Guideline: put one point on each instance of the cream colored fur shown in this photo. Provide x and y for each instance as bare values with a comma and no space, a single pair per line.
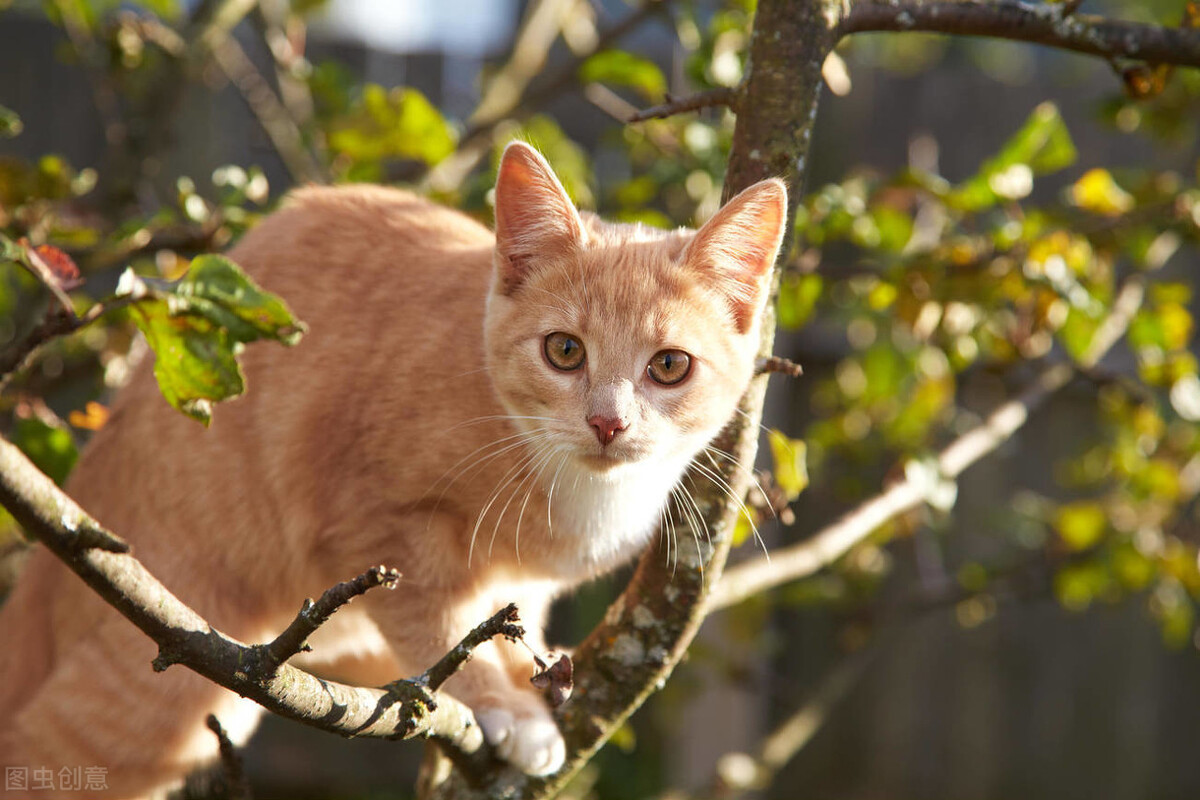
409,428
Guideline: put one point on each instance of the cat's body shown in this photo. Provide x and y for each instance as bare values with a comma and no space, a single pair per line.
406,429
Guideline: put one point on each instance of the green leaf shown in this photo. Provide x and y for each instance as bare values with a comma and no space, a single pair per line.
216,288
51,449
625,69
198,327
400,123
10,123
194,360
1042,145
1081,524
798,296
791,463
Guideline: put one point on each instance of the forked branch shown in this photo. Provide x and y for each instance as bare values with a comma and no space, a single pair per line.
184,637
313,615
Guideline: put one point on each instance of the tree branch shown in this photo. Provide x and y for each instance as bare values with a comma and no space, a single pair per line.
778,364
49,515
503,623
314,615
237,786
268,109
1038,23
721,96
477,139
827,545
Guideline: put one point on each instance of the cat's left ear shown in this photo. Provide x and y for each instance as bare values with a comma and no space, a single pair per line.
737,247
535,217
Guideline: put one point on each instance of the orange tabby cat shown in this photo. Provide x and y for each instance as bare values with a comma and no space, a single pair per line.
499,417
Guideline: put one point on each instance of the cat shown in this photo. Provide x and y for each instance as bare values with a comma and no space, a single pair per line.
500,417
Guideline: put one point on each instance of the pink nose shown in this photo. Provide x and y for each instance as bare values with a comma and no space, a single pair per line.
606,428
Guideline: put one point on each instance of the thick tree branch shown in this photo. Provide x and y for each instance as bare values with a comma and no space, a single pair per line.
48,514
1038,23
827,545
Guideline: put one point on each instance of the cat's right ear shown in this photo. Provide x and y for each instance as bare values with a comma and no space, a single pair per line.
534,216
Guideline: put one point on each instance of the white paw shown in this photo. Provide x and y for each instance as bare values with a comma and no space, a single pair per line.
531,744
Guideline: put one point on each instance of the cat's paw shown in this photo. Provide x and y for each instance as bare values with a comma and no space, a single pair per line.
532,744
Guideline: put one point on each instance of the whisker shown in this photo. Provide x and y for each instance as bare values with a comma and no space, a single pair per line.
504,481
550,494
540,457
712,451
523,439
684,508
550,453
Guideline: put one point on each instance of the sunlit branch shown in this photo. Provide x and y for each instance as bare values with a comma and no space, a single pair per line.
723,96
184,637
1046,24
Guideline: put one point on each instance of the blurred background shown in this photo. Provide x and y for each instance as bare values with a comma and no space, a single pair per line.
971,209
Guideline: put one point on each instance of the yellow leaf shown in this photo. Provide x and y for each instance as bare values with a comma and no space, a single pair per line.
742,528
791,464
92,418
1097,192
1081,524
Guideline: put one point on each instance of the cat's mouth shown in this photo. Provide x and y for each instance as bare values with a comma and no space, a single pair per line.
610,458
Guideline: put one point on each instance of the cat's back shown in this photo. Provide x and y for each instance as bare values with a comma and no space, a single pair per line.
392,288
363,239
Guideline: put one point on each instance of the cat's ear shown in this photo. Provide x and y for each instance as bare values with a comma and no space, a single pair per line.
737,247
534,216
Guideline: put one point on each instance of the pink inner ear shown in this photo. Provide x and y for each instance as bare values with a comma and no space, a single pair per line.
738,246
534,216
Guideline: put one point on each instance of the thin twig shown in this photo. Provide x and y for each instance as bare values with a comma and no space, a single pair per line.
237,786
725,96
42,271
832,542
1038,23
268,109
504,622
56,324
778,364
314,615
476,141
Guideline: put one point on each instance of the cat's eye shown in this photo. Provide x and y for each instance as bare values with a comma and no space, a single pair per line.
564,351
669,367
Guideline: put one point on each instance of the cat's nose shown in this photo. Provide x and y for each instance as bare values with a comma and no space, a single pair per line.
606,428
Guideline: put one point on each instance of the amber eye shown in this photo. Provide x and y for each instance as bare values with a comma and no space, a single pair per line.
564,351
669,367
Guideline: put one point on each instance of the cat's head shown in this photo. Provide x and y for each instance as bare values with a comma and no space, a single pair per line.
624,343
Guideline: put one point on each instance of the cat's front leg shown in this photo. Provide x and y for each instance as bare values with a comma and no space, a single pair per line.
523,732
